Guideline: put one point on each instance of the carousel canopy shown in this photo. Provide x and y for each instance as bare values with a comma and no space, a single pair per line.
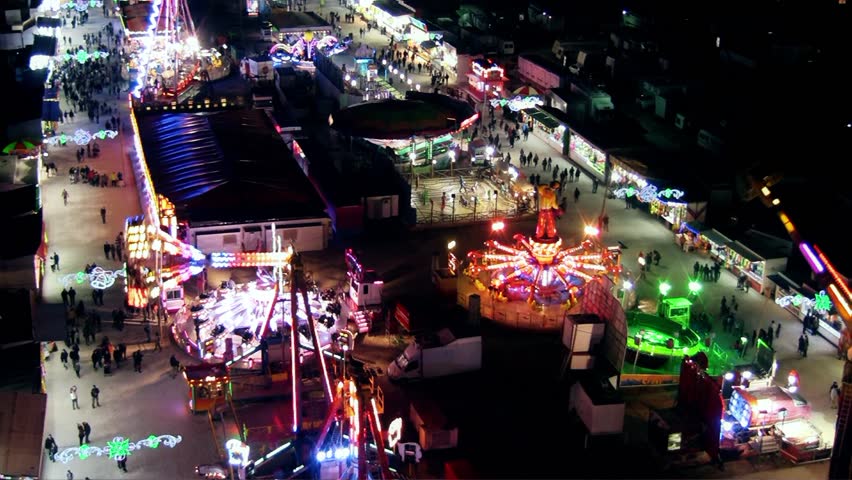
419,115
228,166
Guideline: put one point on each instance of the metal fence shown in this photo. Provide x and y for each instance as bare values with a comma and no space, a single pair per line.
449,219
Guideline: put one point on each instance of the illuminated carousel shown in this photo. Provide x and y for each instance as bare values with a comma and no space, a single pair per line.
230,321
532,283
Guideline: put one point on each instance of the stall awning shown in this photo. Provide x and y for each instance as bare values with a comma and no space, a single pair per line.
542,117
745,252
715,237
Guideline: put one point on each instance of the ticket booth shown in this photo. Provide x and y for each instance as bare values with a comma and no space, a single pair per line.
209,385
677,310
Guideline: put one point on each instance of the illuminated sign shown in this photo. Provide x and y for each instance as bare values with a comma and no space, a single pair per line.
518,103
118,447
394,432
98,278
81,137
821,301
649,193
238,452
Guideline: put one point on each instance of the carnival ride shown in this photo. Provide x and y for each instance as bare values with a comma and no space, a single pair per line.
656,340
298,48
164,54
540,269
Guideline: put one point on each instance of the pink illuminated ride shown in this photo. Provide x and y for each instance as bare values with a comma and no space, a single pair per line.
540,269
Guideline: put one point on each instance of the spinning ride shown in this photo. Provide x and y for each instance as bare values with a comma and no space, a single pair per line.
540,269
298,48
164,55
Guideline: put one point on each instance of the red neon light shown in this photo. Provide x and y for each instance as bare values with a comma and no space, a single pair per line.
839,280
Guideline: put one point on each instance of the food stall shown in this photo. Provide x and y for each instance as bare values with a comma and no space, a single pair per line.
757,255
769,420
209,384
715,243
546,126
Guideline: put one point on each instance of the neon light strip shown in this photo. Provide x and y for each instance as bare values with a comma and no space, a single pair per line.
838,279
376,415
117,447
294,357
143,177
812,259
840,301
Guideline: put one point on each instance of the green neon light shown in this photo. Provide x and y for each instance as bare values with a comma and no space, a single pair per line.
822,302
118,447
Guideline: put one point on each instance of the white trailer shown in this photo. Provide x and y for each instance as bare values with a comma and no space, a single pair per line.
437,355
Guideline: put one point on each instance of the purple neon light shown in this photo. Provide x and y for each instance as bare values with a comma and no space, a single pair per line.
812,259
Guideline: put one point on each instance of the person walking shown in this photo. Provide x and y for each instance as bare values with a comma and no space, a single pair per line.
72,294
64,295
64,358
107,249
95,399
576,195
65,196
50,446
121,461
778,330
69,475
137,361
103,215
81,434
77,368
834,394
87,430
55,265
74,402
175,364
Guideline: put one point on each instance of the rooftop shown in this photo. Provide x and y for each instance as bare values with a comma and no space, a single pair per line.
228,166
392,7
297,21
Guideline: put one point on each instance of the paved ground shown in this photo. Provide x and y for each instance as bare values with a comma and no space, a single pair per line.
134,405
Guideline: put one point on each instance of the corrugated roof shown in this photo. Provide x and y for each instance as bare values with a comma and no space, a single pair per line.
226,167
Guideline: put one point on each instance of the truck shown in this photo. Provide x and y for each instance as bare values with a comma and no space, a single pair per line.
437,355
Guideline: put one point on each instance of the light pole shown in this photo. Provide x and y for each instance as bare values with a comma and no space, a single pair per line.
452,155
453,217
489,151
385,68
432,167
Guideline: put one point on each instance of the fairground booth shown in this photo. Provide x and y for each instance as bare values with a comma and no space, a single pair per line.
757,255
696,237
815,309
486,80
237,182
209,385
389,14
297,24
547,127
587,143
744,413
651,180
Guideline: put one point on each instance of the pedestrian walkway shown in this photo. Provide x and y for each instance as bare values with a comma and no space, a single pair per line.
133,405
